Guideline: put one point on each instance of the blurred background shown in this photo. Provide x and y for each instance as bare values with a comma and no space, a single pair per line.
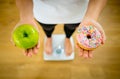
104,65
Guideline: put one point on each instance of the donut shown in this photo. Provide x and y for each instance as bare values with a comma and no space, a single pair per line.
88,37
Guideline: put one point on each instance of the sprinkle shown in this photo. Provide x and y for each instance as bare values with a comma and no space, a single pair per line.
95,36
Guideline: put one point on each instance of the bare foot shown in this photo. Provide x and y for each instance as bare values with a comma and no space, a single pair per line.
48,46
68,47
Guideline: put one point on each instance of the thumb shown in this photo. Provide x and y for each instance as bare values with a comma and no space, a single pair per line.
34,23
11,40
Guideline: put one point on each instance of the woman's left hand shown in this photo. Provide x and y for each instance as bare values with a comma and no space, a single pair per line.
88,53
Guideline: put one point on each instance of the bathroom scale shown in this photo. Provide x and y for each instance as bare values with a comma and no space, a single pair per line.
58,53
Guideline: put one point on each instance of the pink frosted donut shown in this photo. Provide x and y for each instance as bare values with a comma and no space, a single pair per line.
88,37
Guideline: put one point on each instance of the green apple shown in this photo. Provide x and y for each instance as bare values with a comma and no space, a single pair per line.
25,36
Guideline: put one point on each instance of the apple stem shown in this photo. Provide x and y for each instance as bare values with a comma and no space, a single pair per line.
25,34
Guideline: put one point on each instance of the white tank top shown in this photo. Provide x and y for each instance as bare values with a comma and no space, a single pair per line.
59,11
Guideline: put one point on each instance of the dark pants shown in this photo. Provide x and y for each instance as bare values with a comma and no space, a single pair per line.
68,28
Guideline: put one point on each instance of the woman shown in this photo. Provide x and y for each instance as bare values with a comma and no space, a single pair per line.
49,13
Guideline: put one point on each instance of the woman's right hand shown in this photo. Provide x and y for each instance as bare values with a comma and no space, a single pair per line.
34,50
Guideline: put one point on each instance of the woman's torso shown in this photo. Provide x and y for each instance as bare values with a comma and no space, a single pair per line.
59,11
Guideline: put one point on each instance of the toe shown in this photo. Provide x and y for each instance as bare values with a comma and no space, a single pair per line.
48,49
68,52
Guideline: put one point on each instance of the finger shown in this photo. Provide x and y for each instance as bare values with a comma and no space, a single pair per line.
35,50
83,23
12,42
35,24
80,51
85,54
29,52
77,46
38,45
11,39
90,54
99,27
103,38
26,52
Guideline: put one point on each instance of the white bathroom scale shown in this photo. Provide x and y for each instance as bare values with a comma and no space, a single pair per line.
58,53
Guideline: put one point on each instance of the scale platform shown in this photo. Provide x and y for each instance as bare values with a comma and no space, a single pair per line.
58,49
